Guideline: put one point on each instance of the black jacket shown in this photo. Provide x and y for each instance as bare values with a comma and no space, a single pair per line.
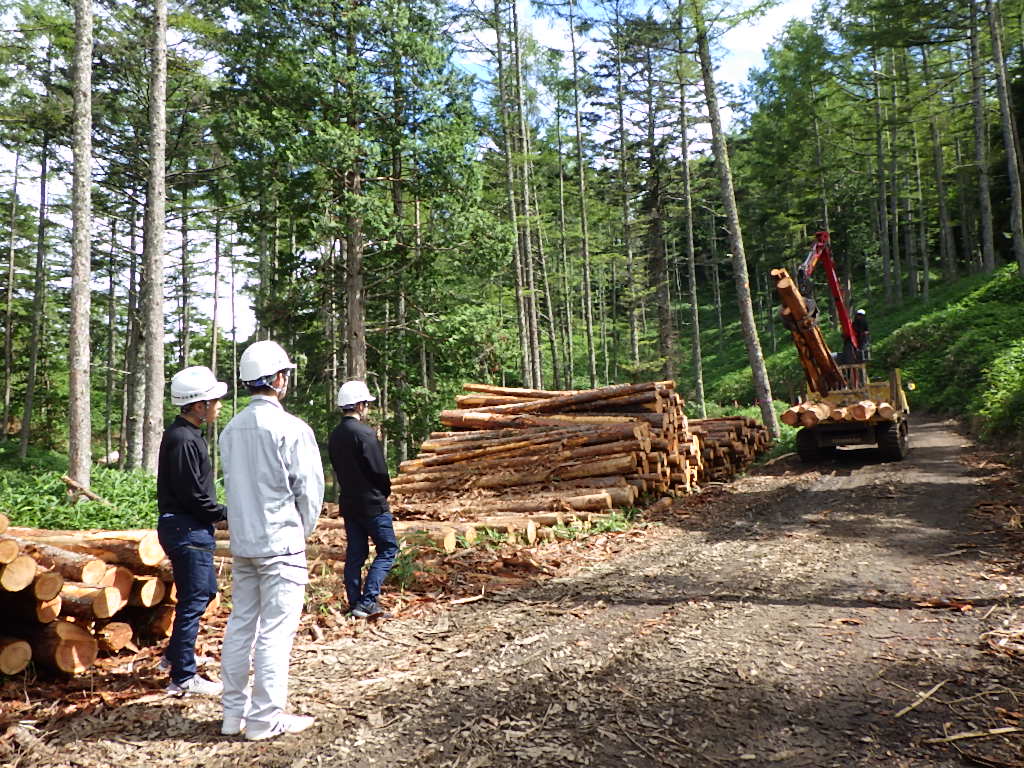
184,477
359,466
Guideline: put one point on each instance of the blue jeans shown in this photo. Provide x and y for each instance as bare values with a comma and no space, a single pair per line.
189,545
359,528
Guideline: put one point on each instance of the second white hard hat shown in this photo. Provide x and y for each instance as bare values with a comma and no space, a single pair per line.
353,393
262,358
190,385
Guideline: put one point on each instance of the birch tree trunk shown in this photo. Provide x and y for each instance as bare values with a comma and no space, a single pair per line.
883,220
79,396
762,387
567,302
111,357
185,281
135,390
355,326
947,249
894,181
1012,167
691,259
526,245
38,295
153,242
525,369
988,250
623,174
9,310
588,303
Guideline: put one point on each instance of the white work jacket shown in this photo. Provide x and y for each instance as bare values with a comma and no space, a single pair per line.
273,479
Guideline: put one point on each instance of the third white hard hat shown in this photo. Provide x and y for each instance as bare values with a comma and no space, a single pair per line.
196,383
262,358
352,393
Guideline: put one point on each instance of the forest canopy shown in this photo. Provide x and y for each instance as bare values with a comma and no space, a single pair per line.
420,193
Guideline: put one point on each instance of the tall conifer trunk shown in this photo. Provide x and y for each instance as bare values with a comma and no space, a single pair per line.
762,387
153,242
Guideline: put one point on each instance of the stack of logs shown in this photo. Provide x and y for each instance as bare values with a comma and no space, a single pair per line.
69,595
811,413
521,458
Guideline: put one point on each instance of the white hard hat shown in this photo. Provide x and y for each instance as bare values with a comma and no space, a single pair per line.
353,393
196,383
861,312
262,358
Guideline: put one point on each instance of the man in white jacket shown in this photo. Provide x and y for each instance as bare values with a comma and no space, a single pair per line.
274,483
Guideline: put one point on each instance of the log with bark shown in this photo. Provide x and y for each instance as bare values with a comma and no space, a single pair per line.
73,566
88,602
133,548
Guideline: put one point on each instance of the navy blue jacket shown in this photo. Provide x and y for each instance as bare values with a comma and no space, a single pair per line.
359,466
184,477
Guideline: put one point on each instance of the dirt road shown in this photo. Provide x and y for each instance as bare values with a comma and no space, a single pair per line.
783,621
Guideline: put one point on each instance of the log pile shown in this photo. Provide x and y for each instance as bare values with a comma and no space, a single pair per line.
812,413
532,457
69,595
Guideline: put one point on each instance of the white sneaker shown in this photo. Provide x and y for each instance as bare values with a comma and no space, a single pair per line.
285,723
196,684
232,726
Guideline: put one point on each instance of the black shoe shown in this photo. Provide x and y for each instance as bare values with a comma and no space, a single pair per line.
369,609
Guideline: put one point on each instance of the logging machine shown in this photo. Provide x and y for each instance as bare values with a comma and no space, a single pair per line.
843,407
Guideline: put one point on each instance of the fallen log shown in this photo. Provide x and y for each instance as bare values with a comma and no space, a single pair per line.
88,602
76,487
134,548
485,420
519,392
63,646
15,654
73,566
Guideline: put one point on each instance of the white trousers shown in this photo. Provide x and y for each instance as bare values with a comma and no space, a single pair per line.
266,602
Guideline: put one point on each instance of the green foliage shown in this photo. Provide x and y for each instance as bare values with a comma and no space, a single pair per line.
403,572
32,494
966,357
488,537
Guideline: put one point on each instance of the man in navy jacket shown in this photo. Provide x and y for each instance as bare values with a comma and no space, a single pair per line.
362,474
187,503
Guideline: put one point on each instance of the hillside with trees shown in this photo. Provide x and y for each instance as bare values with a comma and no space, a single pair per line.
422,193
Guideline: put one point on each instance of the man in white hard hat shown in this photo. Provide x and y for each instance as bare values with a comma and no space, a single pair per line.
364,487
187,503
274,480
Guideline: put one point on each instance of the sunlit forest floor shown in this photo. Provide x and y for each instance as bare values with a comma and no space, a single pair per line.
826,616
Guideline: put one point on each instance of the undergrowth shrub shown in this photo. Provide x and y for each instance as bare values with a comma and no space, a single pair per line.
967,358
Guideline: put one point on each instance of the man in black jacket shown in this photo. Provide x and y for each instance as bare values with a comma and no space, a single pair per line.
362,474
187,503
